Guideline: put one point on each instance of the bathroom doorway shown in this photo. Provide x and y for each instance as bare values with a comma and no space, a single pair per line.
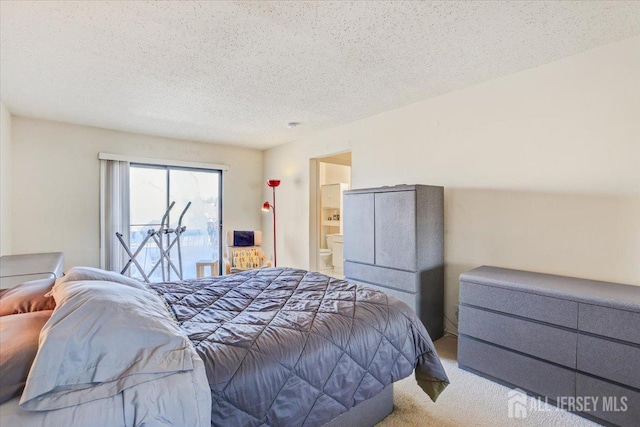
330,177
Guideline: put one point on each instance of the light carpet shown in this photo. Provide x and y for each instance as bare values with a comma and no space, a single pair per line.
469,401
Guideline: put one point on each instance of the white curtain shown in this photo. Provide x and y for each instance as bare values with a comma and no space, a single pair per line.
114,213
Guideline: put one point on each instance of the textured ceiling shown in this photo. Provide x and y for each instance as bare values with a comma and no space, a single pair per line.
238,72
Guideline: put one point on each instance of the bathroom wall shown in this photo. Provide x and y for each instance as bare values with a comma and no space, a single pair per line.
330,173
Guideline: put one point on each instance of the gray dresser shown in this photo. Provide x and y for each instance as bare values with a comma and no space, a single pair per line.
394,242
16,269
555,336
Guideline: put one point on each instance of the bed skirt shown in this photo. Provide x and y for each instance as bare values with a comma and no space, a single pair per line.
367,413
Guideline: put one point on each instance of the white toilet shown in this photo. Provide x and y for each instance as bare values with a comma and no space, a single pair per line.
325,259
337,257
326,262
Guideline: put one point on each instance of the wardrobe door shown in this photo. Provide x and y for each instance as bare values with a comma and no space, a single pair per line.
395,229
358,227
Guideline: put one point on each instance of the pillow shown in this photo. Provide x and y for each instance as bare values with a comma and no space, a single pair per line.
246,259
18,347
27,297
89,273
103,338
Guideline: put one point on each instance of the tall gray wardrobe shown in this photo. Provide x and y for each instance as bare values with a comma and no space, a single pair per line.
394,242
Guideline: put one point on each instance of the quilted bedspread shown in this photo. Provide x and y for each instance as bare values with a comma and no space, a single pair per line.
290,347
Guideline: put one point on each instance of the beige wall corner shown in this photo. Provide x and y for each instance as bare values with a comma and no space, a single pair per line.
5,181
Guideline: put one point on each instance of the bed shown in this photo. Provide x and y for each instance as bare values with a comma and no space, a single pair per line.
268,347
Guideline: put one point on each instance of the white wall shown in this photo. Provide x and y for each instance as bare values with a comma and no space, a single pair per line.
5,181
56,185
541,169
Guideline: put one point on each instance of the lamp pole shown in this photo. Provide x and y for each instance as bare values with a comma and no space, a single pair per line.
273,183
275,259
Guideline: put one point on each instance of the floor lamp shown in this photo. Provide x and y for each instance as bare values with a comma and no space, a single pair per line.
273,183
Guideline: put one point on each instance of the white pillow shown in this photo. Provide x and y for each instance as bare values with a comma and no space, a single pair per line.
89,273
102,338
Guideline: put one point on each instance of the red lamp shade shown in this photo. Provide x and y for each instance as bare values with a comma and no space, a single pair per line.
273,183
266,206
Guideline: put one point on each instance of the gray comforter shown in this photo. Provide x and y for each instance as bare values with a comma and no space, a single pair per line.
290,347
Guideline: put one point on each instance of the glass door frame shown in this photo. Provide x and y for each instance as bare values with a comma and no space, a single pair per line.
168,169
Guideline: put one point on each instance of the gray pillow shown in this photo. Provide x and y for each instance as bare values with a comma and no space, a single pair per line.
19,335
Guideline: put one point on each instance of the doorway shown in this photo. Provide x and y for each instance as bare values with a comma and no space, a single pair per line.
330,177
152,188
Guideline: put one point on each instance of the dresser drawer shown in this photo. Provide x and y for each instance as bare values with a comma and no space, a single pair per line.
521,371
615,404
546,342
387,277
610,322
537,307
614,361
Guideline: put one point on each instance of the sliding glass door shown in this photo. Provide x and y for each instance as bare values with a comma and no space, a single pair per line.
152,190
